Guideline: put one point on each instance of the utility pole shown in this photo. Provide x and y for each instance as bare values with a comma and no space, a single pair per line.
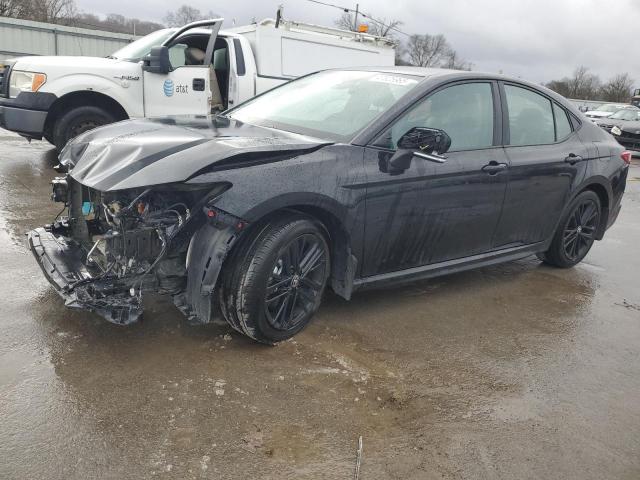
355,22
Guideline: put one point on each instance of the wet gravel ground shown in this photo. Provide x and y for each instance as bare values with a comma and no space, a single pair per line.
514,371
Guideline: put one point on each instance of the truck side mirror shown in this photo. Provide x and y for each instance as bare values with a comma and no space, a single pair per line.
157,61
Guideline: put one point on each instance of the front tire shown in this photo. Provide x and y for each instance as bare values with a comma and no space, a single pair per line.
576,232
78,120
272,284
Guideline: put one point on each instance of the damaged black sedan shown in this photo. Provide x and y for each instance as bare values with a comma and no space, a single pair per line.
343,179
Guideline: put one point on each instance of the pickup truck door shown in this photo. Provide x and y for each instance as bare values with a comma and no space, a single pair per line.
186,88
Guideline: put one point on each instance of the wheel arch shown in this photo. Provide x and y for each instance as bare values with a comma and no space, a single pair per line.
599,186
343,261
83,98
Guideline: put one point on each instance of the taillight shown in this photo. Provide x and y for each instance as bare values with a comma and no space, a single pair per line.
626,156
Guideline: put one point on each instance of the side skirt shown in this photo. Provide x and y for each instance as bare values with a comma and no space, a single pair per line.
450,266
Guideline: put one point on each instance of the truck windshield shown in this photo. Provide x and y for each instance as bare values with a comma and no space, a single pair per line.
135,51
334,104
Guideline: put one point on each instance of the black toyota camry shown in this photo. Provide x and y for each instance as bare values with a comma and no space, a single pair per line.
344,179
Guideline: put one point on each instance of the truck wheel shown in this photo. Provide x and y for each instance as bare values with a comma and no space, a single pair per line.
576,232
79,120
47,136
273,284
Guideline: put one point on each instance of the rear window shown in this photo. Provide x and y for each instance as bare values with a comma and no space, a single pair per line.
563,127
530,117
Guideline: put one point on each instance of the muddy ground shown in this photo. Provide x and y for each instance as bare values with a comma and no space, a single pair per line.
513,372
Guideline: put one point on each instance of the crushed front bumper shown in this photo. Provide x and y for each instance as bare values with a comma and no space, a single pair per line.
62,262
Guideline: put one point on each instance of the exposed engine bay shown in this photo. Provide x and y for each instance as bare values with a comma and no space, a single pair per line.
113,246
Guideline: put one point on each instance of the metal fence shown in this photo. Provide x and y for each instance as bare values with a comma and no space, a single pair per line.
24,37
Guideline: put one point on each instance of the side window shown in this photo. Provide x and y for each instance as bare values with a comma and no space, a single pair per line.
177,55
563,127
189,52
464,111
530,117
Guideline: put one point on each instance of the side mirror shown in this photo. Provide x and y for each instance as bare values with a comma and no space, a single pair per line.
427,143
157,61
426,140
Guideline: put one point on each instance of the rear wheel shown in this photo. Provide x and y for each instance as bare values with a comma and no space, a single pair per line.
576,232
78,120
272,285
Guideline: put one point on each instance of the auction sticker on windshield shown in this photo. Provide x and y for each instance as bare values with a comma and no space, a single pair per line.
393,80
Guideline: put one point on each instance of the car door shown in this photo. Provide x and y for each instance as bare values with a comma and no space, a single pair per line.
437,211
546,158
186,88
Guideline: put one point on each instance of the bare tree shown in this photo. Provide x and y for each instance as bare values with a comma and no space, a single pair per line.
65,12
51,11
559,86
454,62
13,8
183,15
378,27
116,23
618,89
427,50
583,84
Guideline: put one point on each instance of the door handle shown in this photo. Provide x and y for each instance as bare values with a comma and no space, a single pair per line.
572,158
493,167
198,84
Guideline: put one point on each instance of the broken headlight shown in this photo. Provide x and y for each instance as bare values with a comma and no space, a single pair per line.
60,191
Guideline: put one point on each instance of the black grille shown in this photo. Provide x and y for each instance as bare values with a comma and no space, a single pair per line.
4,81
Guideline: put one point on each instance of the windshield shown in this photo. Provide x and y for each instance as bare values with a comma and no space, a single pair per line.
332,104
626,114
137,50
609,107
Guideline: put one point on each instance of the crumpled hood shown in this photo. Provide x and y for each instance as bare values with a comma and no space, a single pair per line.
631,127
146,152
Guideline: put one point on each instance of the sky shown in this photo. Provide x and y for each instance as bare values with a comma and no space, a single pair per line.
538,40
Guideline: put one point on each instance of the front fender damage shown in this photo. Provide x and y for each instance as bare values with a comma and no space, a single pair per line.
158,242
207,251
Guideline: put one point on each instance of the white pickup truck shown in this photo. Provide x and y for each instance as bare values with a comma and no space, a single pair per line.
196,69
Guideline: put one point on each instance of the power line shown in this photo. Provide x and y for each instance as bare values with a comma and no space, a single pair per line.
360,12
344,9
390,27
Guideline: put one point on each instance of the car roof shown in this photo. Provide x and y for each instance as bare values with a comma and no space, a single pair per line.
422,71
428,72
408,70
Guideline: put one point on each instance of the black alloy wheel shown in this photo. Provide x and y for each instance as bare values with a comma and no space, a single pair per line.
273,281
576,232
580,230
296,282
